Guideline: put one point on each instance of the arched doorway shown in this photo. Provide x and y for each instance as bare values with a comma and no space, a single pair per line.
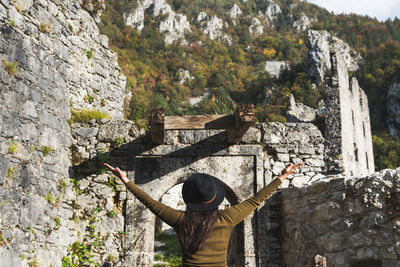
158,169
173,198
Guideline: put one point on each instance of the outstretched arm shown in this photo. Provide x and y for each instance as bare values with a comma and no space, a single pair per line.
162,211
237,213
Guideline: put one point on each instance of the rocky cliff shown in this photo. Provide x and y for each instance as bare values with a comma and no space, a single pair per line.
321,44
175,26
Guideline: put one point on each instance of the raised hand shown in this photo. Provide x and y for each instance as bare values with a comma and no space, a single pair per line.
117,172
289,169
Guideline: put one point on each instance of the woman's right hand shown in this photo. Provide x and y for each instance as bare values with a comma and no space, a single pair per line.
289,169
117,172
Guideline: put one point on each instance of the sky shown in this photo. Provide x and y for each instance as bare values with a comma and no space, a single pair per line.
381,9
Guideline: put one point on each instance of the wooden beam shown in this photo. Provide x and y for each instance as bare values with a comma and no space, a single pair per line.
157,125
236,125
198,122
244,119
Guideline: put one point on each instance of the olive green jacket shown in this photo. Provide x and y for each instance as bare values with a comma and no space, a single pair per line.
215,248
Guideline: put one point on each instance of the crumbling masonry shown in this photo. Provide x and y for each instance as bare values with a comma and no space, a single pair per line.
46,205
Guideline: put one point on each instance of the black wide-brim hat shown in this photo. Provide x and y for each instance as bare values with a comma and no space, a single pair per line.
202,192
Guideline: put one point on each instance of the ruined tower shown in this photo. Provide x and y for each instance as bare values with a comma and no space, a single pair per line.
348,146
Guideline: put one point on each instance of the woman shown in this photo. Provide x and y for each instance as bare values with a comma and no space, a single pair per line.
202,229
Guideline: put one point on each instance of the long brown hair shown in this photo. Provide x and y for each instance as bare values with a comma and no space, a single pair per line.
195,228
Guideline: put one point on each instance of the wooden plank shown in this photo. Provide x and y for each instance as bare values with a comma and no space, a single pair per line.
197,122
157,125
236,125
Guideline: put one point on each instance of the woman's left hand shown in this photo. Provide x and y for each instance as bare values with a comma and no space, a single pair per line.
289,169
118,173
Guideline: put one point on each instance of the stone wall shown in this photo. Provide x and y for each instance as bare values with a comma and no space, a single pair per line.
348,147
122,144
52,59
348,220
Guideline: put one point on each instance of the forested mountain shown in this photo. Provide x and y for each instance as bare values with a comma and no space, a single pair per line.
202,56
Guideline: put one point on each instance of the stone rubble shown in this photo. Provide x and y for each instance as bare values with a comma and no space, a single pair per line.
298,112
347,220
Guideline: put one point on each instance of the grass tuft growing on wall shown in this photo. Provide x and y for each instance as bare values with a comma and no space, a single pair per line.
85,115
11,68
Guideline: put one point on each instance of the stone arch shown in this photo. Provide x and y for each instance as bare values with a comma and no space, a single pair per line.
157,169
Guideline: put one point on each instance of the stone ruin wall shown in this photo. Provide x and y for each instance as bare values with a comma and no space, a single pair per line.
95,196
345,219
279,144
60,59
347,123
351,221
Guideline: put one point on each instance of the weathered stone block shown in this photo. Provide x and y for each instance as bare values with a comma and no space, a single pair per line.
252,136
278,167
300,181
331,242
327,211
359,240
373,220
283,157
192,136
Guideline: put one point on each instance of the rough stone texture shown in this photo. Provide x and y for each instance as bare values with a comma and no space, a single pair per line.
298,112
235,11
184,76
394,109
321,44
43,211
213,27
303,23
187,151
177,163
197,99
275,68
347,220
48,41
174,26
94,7
272,12
256,27
348,146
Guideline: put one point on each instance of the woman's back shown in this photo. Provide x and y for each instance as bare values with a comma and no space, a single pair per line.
214,252
201,194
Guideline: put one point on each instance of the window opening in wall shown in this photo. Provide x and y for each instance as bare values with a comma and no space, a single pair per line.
355,152
352,116
363,125
361,102
367,263
366,159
